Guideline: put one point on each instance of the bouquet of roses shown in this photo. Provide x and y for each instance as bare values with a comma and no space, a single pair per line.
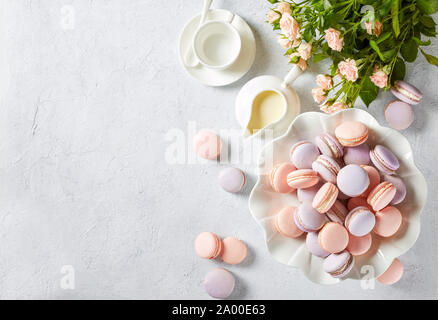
368,42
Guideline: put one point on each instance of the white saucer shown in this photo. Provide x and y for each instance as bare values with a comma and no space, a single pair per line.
211,77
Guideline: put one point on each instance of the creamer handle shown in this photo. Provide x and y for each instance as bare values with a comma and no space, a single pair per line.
293,74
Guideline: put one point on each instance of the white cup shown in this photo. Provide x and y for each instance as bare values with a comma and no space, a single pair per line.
217,44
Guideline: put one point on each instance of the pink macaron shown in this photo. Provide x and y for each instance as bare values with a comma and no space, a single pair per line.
399,114
359,245
360,221
388,221
302,178
278,177
208,245
308,219
329,146
393,274
303,154
234,251
337,213
406,92
285,223
207,144
325,197
327,168
351,133
333,237
381,195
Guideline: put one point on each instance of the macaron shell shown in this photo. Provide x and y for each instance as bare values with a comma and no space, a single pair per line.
337,212
359,155
232,179
208,245
341,263
303,154
360,221
309,193
278,177
325,197
207,144
313,245
353,180
219,283
399,115
302,179
381,196
234,250
388,221
329,146
285,223
374,177
351,133
359,245
333,237
393,274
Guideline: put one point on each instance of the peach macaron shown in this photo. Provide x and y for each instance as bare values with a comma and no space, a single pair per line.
278,177
381,195
325,197
351,133
359,245
393,274
374,176
285,223
388,221
208,245
333,237
207,144
302,179
234,250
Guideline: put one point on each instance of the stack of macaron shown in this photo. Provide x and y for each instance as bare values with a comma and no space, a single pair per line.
347,193
219,283
399,113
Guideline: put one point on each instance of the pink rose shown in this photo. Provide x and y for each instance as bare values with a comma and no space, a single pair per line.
379,78
289,26
348,69
334,40
324,81
377,28
337,106
284,7
302,64
318,94
305,50
284,42
272,16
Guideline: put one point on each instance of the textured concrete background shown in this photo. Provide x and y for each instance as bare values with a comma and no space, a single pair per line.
85,109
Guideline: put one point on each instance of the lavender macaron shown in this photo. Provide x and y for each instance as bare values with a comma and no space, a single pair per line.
360,221
353,180
329,146
399,185
232,179
384,160
406,92
359,155
308,219
313,245
338,265
327,168
399,114
219,283
303,154
307,195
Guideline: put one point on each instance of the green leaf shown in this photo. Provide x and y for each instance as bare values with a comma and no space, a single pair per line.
430,58
294,59
399,71
428,22
389,55
307,34
369,91
273,1
428,6
383,37
409,50
317,57
394,16
385,7
422,43
375,47
327,4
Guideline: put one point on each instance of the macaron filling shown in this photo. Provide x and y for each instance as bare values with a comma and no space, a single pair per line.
327,202
335,214
382,163
343,269
378,192
337,153
329,166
